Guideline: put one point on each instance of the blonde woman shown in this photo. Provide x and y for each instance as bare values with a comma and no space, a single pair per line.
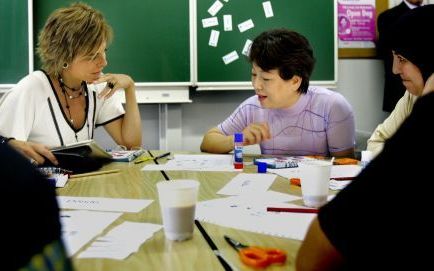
65,101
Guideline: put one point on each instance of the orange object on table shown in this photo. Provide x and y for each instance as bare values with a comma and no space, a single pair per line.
257,257
345,161
295,181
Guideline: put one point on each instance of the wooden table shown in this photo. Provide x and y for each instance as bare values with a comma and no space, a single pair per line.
158,253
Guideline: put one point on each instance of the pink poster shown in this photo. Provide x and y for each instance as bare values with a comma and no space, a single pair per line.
356,23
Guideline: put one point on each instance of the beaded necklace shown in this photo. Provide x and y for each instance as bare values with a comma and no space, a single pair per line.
66,95
65,86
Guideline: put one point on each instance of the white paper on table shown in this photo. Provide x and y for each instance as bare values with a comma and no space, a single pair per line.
286,172
264,198
121,241
60,179
338,171
338,185
342,171
236,213
247,183
103,204
79,227
197,162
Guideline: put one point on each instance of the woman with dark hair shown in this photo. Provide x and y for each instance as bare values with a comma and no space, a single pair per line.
413,63
286,116
375,223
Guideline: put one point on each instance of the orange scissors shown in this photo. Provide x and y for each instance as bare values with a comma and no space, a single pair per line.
257,257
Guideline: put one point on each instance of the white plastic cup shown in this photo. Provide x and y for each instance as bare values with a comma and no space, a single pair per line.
367,156
178,204
315,178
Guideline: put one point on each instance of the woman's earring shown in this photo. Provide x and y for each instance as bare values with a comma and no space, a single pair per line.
65,65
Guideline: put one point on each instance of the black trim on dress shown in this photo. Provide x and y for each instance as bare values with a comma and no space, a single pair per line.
55,121
113,119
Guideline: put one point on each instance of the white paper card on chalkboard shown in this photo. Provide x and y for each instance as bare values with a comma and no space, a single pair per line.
268,9
209,22
246,48
231,57
214,38
215,8
227,22
246,25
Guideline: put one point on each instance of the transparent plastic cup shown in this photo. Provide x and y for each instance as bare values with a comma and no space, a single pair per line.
177,200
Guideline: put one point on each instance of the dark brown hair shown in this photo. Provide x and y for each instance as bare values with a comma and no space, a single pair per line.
285,50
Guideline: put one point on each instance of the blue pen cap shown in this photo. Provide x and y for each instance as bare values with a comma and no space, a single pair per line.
238,137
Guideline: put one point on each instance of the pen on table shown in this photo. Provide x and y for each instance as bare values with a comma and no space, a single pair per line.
292,210
144,159
161,155
342,178
95,173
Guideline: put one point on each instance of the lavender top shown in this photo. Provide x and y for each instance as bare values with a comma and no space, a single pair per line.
321,122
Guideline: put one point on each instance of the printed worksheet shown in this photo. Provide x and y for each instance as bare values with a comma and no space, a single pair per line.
103,204
197,162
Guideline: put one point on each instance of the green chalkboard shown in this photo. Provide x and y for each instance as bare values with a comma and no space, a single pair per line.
14,45
312,18
151,38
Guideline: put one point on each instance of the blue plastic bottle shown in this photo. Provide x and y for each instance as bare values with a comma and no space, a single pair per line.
238,150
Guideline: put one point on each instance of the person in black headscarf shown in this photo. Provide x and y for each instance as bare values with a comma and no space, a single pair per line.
393,88
379,221
413,63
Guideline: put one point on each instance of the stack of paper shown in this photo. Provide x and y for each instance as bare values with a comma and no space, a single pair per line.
121,241
79,227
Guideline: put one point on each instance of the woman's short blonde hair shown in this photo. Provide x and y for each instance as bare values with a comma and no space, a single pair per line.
76,30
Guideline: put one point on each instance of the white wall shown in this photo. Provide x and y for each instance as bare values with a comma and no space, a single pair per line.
149,116
361,82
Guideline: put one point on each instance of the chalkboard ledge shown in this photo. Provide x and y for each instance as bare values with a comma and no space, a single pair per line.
5,87
146,95
211,86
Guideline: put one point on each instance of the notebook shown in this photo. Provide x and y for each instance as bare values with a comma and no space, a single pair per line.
93,149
